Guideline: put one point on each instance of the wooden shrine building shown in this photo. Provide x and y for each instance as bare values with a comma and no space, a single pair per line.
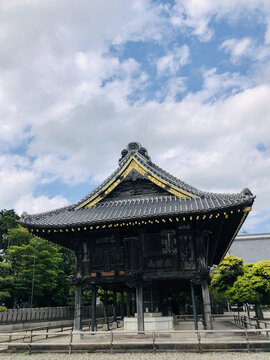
142,229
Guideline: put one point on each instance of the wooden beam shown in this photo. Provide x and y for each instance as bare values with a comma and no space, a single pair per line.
216,243
169,275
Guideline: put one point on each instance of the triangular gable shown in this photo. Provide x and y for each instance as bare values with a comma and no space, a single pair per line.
133,165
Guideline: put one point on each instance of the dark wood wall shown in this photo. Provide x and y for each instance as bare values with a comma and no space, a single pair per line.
167,248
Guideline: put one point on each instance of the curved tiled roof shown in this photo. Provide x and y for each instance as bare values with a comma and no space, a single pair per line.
138,207
127,209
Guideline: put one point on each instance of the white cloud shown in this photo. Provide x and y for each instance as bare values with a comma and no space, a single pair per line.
238,48
245,48
16,178
210,144
17,181
54,56
195,15
35,205
173,60
68,95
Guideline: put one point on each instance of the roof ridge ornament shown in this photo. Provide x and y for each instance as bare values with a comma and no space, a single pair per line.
246,192
134,147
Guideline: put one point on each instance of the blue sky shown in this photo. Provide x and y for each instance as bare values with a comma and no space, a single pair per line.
189,79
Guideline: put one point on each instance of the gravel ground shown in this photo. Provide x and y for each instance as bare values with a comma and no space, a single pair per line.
140,356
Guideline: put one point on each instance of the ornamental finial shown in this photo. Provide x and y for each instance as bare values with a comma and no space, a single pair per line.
134,147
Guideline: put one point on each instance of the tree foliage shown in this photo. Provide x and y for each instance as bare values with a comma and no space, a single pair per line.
253,287
6,281
39,269
28,262
35,263
63,294
242,283
8,220
226,274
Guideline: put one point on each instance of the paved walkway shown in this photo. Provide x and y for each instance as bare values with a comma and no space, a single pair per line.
225,331
188,334
139,356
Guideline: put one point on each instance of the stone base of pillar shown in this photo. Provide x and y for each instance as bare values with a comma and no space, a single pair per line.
76,337
152,322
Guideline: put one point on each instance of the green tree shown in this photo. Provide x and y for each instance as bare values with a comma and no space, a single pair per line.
224,277
253,286
35,265
8,220
6,281
63,294
18,236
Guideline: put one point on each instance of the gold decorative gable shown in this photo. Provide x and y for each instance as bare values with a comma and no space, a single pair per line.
133,164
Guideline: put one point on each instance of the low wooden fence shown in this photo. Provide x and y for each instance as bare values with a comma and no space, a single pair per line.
64,325
251,323
248,340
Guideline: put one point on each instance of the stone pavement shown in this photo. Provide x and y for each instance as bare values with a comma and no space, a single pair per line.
225,331
139,356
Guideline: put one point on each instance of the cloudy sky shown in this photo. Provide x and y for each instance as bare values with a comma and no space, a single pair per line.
189,79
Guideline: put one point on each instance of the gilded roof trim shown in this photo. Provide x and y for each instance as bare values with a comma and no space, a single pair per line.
133,164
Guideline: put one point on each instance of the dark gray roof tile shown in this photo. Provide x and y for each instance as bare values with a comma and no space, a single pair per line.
127,210
138,206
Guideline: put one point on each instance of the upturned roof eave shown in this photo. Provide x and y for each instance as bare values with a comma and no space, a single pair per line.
195,212
153,169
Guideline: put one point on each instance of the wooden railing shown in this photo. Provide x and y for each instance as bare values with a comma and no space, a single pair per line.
184,317
112,341
250,323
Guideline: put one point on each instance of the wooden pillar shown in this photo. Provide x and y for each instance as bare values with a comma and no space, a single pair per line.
133,304
206,305
106,323
78,308
194,305
93,315
122,310
114,309
78,288
128,304
139,301
85,261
